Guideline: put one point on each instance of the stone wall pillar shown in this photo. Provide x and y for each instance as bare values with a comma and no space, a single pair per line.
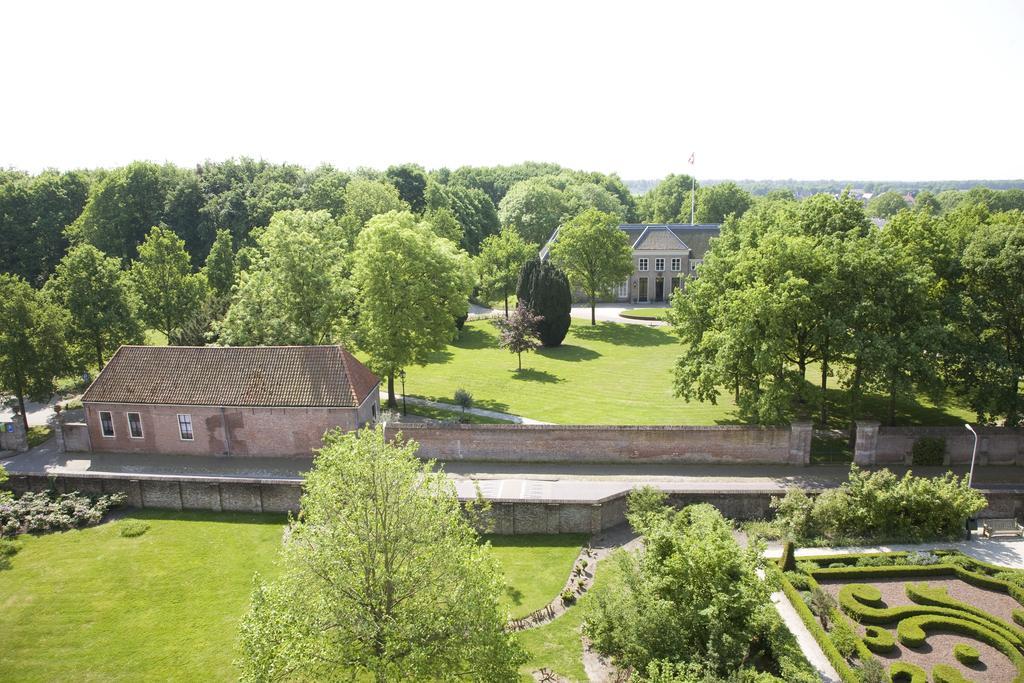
865,449
800,434
17,439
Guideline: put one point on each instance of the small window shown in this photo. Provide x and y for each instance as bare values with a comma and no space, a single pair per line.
643,265
677,264
659,264
106,424
624,290
185,427
135,425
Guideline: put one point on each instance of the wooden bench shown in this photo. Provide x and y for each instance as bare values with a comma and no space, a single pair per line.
1001,527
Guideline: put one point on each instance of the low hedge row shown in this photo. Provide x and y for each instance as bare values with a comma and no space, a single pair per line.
912,633
965,654
842,667
878,640
923,594
850,601
944,673
904,672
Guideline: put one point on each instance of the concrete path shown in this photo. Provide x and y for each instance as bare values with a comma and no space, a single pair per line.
1006,552
610,313
804,639
481,412
38,413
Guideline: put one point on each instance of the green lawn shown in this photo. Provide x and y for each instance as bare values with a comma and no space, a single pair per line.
90,605
438,414
646,313
614,373
535,567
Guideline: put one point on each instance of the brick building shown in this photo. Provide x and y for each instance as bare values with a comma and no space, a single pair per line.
236,401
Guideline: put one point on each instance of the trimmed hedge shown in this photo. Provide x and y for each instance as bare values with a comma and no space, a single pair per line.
912,633
923,594
944,673
842,667
904,672
788,559
878,640
965,654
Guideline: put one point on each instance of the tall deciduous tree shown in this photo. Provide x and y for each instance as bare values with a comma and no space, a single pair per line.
500,260
162,278
668,201
94,290
33,345
519,332
411,182
533,208
411,287
594,254
544,289
886,205
381,578
716,202
297,289
220,264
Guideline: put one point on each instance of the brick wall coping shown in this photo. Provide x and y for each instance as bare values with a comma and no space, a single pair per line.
417,426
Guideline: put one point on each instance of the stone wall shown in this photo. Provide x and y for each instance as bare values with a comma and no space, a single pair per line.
613,444
12,435
73,437
877,445
507,516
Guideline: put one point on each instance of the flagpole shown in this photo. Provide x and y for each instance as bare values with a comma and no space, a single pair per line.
693,186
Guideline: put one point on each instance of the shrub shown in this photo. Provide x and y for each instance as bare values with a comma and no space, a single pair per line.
788,561
845,639
872,671
878,640
904,672
965,654
922,559
799,581
822,604
793,513
42,512
544,289
568,597
807,566
130,528
944,673
464,400
876,561
928,451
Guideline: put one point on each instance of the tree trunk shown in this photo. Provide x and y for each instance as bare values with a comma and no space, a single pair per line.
506,304
99,354
1013,413
736,389
593,311
520,355
892,403
392,403
24,413
855,397
824,386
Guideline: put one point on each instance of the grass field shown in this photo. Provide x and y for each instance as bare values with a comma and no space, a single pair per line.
646,313
612,373
90,605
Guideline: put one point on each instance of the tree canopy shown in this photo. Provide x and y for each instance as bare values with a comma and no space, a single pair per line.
168,291
382,577
501,258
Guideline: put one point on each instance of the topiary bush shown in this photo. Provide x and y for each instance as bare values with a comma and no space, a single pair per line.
544,289
928,451
944,673
904,672
965,654
879,640
43,512
788,561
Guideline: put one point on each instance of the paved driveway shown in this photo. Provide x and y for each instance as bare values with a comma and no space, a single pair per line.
610,313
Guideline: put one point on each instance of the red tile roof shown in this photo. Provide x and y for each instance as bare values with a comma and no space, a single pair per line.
258,376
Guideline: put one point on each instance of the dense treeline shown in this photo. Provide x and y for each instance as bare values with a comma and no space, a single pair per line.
930,303
804,188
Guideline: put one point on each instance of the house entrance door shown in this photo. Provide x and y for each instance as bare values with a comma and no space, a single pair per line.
659,289
643,290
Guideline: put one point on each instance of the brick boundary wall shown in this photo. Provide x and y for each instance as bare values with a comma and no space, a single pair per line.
878,445
508,516
612,444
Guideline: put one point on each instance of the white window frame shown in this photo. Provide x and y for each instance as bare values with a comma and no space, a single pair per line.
643,265
624,290
694,263
103,432
659,264
128,419
677,264
191,428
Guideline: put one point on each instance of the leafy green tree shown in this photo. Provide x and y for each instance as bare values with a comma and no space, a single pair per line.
382,578
33,345
690,596
326,191
594,254
533,208
993,265
445,224
580,196
926,201
297,289
94,290
475,212
122,207
668,201
544,289
716,202
411,182
412,285
162,279
183,213
364,199
823,214
501,258
886,205
519,332
220,265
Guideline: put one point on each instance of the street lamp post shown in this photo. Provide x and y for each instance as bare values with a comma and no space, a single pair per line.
401,377
970,477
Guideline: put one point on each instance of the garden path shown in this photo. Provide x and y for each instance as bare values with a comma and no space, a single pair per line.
494,414
807,643
1006,552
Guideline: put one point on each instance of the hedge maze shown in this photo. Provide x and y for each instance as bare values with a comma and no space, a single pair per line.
918,640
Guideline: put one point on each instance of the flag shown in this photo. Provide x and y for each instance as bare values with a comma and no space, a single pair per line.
692,154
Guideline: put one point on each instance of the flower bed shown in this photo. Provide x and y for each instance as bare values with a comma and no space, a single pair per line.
941,616
43,512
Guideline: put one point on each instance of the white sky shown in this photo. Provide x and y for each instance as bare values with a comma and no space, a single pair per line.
854,90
